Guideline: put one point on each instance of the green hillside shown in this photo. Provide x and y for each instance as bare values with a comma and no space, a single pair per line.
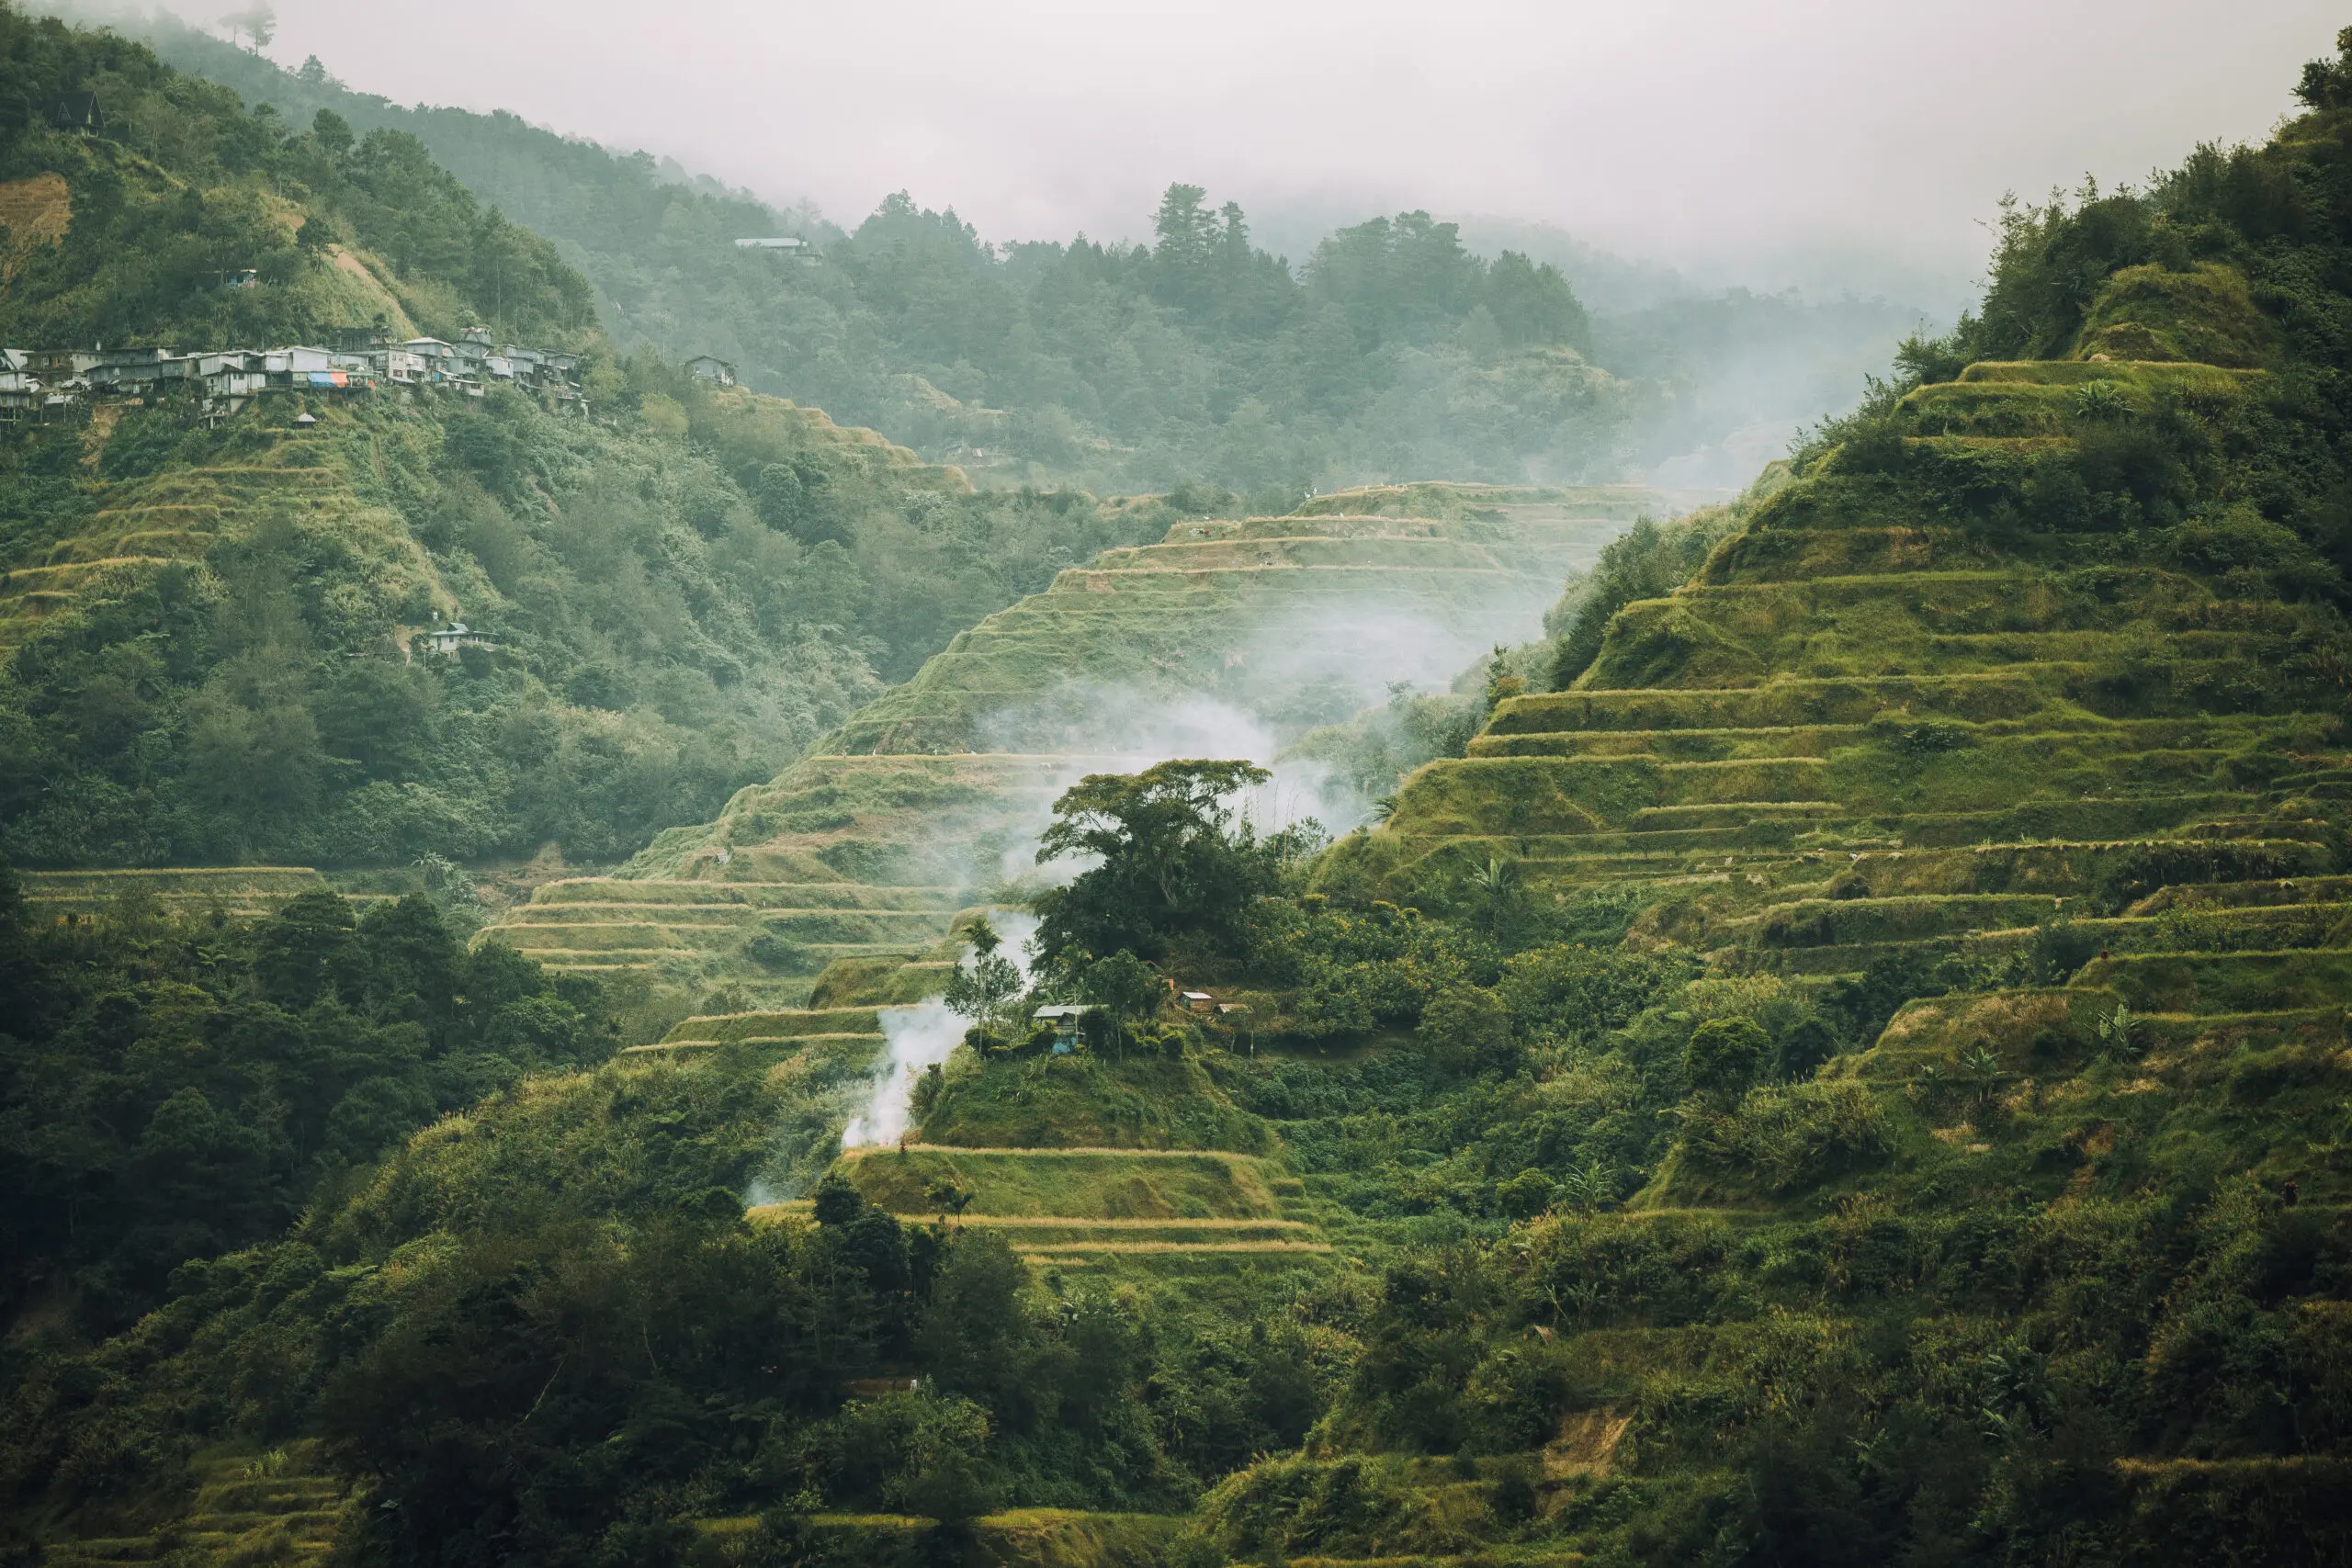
2007,744
922,801
210,623
1852,1073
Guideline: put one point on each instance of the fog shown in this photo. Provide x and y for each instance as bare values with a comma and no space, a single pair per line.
920,1037
1829,144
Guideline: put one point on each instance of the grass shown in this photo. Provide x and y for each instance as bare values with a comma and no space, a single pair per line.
280,1505
737,1028
2202,983
1089,1099
1072,1183
240,890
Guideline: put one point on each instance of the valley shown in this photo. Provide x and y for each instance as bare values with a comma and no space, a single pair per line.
1223,637
1559,1023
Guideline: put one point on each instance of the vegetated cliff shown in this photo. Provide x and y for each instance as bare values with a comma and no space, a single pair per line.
2014,728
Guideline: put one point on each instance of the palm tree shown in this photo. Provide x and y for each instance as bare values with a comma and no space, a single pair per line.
1495,888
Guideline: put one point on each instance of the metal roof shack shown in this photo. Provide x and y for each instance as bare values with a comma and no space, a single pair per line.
785,245
1066,1019
447,641
20,389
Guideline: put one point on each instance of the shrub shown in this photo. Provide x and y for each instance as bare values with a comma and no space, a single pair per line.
1794,1136
1724,1056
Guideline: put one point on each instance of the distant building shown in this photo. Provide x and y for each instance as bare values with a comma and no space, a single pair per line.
447,641
706,367
1196,1001
782,245
20,387
226,379
1067,1020
77,111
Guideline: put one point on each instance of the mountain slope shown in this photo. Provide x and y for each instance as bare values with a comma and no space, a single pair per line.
1226,635
211,622
1400,354
2007,741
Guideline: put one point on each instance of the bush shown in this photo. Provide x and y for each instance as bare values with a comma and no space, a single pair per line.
1792,1136
1724,1056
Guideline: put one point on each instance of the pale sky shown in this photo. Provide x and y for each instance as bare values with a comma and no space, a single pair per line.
1709,134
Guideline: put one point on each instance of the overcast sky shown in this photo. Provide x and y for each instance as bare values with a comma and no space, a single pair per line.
1727,138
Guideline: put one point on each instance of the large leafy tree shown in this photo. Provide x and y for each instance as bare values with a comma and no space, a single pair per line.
1174,860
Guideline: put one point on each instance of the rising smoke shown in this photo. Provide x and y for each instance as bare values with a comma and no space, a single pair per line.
1271,685
920,1037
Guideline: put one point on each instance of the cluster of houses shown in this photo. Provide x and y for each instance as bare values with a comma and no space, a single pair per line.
1068,1019
40,382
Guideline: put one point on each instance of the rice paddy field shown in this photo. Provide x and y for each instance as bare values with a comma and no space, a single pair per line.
861,855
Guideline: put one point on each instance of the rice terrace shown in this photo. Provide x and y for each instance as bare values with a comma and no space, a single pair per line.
1616,858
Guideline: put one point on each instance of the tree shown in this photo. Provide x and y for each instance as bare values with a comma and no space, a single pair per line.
2327,84
1725,1056
947,1195
1532,307
1173,861
1496,899
983,989
258,23
1187,232
1124,987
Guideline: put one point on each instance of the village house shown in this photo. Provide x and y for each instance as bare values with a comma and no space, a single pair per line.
20,389
783,245
447,641
45,380
708,368
1066,1019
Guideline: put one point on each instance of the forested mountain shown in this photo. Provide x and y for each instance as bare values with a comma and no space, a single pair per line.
1845,1066
1387,350
210,623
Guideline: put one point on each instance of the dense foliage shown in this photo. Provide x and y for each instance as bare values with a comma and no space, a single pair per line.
1171,861
546,1329
181,190
678,594
670,619
174,1089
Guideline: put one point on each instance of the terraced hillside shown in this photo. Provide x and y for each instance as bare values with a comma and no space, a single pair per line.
283,1506
137,525
1865,732
1161,1210
244,891
2034,787
1226,635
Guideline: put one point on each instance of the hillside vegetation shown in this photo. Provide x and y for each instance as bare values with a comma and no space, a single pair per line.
1852,1073
209,624
1225,631
1387,349
1998,757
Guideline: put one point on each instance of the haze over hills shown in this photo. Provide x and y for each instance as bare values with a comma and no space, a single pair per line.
1033,362
1820,1039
